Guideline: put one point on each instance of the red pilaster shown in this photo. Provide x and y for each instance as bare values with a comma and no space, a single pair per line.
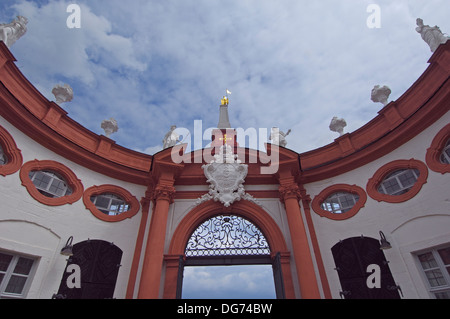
154,252
290,195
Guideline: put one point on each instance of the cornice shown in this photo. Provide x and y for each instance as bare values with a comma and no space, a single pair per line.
427,100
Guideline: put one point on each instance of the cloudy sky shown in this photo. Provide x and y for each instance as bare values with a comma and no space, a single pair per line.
293,64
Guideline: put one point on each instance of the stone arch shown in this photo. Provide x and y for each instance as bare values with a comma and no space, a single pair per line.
245,209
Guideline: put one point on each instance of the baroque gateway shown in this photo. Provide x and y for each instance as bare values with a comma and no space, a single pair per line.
366,216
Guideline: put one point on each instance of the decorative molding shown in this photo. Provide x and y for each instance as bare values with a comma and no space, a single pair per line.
381,173
13,154
70,178
164,192
418,108
324,194
289,191
226,176
434,152
111,189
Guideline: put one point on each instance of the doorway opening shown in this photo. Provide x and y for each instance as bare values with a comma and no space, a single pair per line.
224,253
228,282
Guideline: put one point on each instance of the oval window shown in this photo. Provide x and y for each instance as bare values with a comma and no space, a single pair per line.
110,203
438,154
339,202
445,156
398,181
10,156
3,157
50,184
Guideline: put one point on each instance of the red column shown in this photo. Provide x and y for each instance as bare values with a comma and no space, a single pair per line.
154,252
290,195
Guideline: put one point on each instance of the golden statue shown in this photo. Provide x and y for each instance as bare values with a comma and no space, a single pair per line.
224,101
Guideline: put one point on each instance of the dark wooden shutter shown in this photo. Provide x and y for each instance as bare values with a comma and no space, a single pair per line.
352,257
99,262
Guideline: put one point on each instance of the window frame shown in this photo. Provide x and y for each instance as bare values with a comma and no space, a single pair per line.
110,197
339,188
53,177
389,168
11,152
440,265
434,152
70,178
395,175
129,199
10,272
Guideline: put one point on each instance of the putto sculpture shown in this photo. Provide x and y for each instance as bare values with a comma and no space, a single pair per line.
110,126
337,125
62,93
278,137
380,94
433,36
171,138
11,32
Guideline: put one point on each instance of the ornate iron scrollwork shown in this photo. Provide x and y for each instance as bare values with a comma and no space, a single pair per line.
227,235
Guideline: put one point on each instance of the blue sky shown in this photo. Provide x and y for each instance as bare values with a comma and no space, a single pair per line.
288,63
291,63
229,282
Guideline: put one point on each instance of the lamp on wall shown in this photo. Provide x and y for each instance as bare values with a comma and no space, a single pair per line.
384,244
67,249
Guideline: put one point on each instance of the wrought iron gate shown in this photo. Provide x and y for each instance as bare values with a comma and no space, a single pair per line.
229,240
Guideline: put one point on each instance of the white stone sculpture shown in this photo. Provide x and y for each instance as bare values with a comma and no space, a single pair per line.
11,32
278,137
62,93
337,125
171,138
110,126
433,36
380,94
226,175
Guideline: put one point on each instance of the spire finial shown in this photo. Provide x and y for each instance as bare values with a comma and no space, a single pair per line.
224,100
224,121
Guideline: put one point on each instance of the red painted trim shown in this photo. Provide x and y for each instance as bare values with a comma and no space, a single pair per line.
323,195
306,201
381,173
397,123
65,172
13,154
254,193
48,124
145,205
434,152
119,191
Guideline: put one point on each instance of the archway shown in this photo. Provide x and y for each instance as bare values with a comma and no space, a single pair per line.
267,249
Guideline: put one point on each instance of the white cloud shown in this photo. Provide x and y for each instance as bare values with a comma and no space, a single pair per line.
293,64
229,282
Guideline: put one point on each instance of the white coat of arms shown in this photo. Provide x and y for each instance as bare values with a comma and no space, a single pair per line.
226,175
